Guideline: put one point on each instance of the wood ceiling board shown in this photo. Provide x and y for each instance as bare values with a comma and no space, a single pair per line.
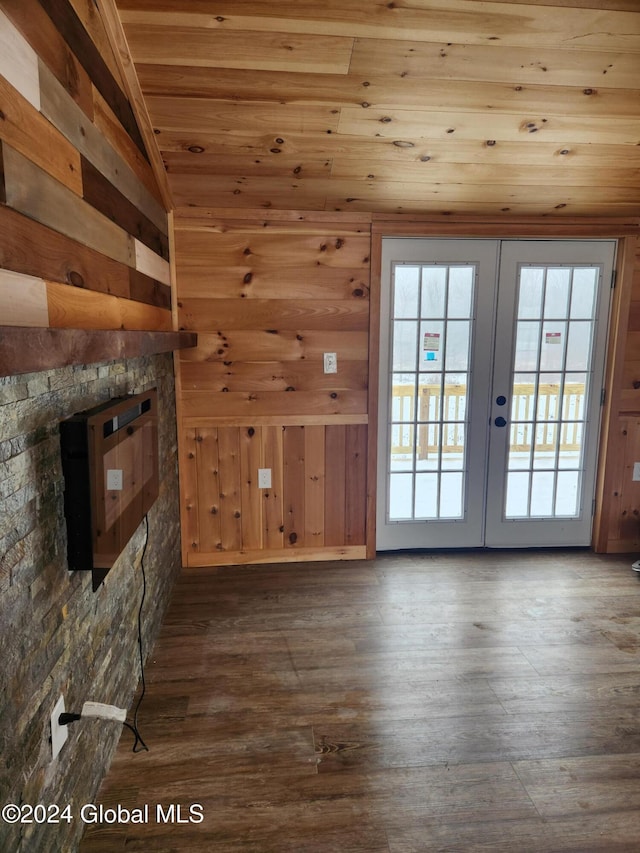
381,69
477,192
338,194
460,21
609,5
561,171
521,66
533,208
400,124
200,114
447,150
387,91
259,51
187,163
456,81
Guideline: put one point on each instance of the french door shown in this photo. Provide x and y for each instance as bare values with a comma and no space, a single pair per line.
492,355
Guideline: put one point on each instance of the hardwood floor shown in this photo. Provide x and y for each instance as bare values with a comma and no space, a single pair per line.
478,701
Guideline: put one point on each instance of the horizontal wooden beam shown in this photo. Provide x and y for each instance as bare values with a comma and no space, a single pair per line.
29,349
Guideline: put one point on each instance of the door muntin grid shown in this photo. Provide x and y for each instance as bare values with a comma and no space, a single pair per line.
431,340
556,318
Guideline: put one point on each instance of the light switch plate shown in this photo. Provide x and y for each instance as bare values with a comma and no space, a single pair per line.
264,478
636,470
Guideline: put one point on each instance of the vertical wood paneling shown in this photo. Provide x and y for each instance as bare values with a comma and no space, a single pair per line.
615,527
314,468
230,488
335,484
625,503
250,495
189,490
208,506
294,486
356,484
273,499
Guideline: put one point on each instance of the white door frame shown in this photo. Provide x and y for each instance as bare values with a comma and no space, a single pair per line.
470,531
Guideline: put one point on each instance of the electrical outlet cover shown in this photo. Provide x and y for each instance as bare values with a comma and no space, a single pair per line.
330,362
59,733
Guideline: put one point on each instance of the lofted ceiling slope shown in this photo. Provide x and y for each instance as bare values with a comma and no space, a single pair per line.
394,106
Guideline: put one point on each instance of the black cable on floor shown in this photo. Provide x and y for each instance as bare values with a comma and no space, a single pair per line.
139,744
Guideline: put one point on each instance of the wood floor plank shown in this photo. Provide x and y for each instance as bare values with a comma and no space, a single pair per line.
478,701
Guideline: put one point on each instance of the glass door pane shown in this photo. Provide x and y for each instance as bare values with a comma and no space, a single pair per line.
553,350
430,380
553,305
432,445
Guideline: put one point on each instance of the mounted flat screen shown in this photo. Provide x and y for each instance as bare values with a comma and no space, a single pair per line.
110,466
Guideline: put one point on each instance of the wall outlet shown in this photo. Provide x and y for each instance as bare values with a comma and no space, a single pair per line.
114,480
636,470
330,362
264,478
59,733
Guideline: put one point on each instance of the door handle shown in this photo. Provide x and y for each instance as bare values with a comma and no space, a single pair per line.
500,422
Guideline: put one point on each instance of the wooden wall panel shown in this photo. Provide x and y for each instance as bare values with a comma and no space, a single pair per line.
52,49
270,296
81,226
335,479
316,470
206,493
61,110
250,496
273,502
18,62
81,44
315,486
22,124
294,486
37,195
31,309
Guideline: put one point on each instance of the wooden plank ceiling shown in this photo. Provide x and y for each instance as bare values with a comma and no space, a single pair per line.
409,106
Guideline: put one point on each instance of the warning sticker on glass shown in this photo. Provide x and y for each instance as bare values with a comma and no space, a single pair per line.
431,345
552,337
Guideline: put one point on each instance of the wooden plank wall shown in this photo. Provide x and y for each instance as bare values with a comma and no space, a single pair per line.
268,294
617,517
83,229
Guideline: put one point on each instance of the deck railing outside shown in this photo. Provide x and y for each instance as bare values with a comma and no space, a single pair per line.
441,418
